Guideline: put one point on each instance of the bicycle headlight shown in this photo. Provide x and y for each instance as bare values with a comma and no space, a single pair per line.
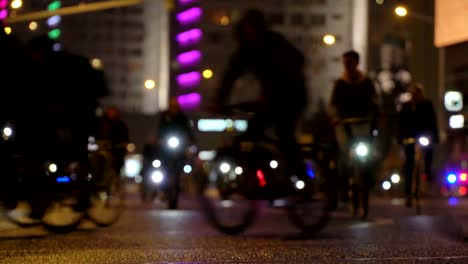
53,167
361,150
157,177
424,141
173,142
7,132
224,167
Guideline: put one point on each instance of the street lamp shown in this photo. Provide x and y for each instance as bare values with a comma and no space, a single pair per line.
150,84
16,4
401,11
329,39
33,25
207,74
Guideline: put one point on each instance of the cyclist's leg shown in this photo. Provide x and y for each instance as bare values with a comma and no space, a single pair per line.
294,162
409,170
428,156
256,129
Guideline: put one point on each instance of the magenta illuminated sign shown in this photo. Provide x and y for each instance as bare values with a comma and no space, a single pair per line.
3,14
190,37
187,2
189,58
3,3
189,80
191,100
190,16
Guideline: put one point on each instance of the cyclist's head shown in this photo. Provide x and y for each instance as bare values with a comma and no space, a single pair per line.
417,92
174,107
112,112
251,26
351,60
40,48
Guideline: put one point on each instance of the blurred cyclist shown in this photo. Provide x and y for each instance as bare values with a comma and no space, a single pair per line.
353,96
278,66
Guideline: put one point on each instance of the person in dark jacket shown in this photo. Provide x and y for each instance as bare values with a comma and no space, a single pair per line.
278,66
353,96
112,128
417,118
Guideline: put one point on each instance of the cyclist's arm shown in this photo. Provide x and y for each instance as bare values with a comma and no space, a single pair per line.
234,70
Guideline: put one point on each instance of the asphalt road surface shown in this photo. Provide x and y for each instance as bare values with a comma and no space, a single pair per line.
151,234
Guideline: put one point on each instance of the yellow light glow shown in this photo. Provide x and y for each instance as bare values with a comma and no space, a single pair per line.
224,20
150,84
16,4
131,148
96,63
207,74
401,11
8,30
33,25
329,39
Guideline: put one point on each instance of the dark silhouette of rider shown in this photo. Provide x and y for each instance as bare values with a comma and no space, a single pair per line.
417,118
278,66
353,96
112,128
175,121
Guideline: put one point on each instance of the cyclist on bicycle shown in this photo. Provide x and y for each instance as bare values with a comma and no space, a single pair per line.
353,96
417,118
278,66
112,128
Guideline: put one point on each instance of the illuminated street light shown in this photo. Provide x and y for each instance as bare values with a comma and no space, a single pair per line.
33,25
225,20
96,63
401,11
329,39
7,30
16,4
150,84
207,74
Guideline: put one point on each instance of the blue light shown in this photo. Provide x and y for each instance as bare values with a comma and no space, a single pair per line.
310,171
452,178
63,179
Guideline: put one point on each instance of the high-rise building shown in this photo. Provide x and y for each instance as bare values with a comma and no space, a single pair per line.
130,44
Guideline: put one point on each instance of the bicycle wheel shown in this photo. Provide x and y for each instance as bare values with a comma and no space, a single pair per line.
107,203
310,211
223,196
107,195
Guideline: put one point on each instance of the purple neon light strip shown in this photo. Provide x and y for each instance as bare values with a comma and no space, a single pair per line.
189,58
190,37
3,14
190,16
189,80
187,2
191,100
3,3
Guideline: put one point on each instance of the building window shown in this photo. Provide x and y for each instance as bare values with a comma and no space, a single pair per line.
337,16
220,17
297,19
214,37
317,20
276,19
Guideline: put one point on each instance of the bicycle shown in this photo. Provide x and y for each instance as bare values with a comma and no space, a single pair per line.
422,143
242,175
